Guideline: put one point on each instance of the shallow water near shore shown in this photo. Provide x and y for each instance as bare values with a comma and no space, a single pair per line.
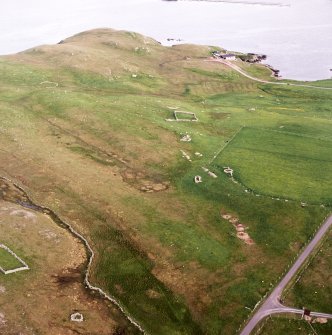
296,35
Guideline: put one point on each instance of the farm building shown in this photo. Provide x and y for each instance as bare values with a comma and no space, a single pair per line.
218,54
228,56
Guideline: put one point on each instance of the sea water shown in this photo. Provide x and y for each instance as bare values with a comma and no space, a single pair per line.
296,35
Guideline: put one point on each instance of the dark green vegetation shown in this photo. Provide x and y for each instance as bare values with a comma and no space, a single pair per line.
83,130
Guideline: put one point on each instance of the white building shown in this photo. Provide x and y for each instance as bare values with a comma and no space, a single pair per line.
228,57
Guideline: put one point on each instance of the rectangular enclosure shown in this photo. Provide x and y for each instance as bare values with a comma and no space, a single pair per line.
185,116
10,262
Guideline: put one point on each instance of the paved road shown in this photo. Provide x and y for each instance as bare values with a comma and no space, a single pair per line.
238,69
272,304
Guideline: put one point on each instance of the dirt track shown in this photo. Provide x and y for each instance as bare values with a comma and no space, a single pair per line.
239,70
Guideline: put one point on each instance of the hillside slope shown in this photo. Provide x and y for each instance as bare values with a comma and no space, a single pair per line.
84,132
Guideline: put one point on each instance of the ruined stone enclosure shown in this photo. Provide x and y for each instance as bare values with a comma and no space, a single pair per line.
185,116
16,264
182,116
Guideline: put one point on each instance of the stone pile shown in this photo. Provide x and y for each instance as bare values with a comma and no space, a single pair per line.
210,173
77,317
186,138
239,227
198,179
228,170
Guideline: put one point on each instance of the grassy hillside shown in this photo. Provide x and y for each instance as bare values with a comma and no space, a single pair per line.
83,129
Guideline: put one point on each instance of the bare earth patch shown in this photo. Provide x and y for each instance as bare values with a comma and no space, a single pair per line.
57,261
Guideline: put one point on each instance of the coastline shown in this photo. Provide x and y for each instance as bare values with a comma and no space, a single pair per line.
235,26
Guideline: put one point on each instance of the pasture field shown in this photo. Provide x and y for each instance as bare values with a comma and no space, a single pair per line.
83,130
281,164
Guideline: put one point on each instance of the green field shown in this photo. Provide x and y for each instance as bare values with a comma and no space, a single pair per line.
8,261
98,151
281,164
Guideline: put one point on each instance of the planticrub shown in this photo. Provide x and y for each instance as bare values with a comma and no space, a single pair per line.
55,217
